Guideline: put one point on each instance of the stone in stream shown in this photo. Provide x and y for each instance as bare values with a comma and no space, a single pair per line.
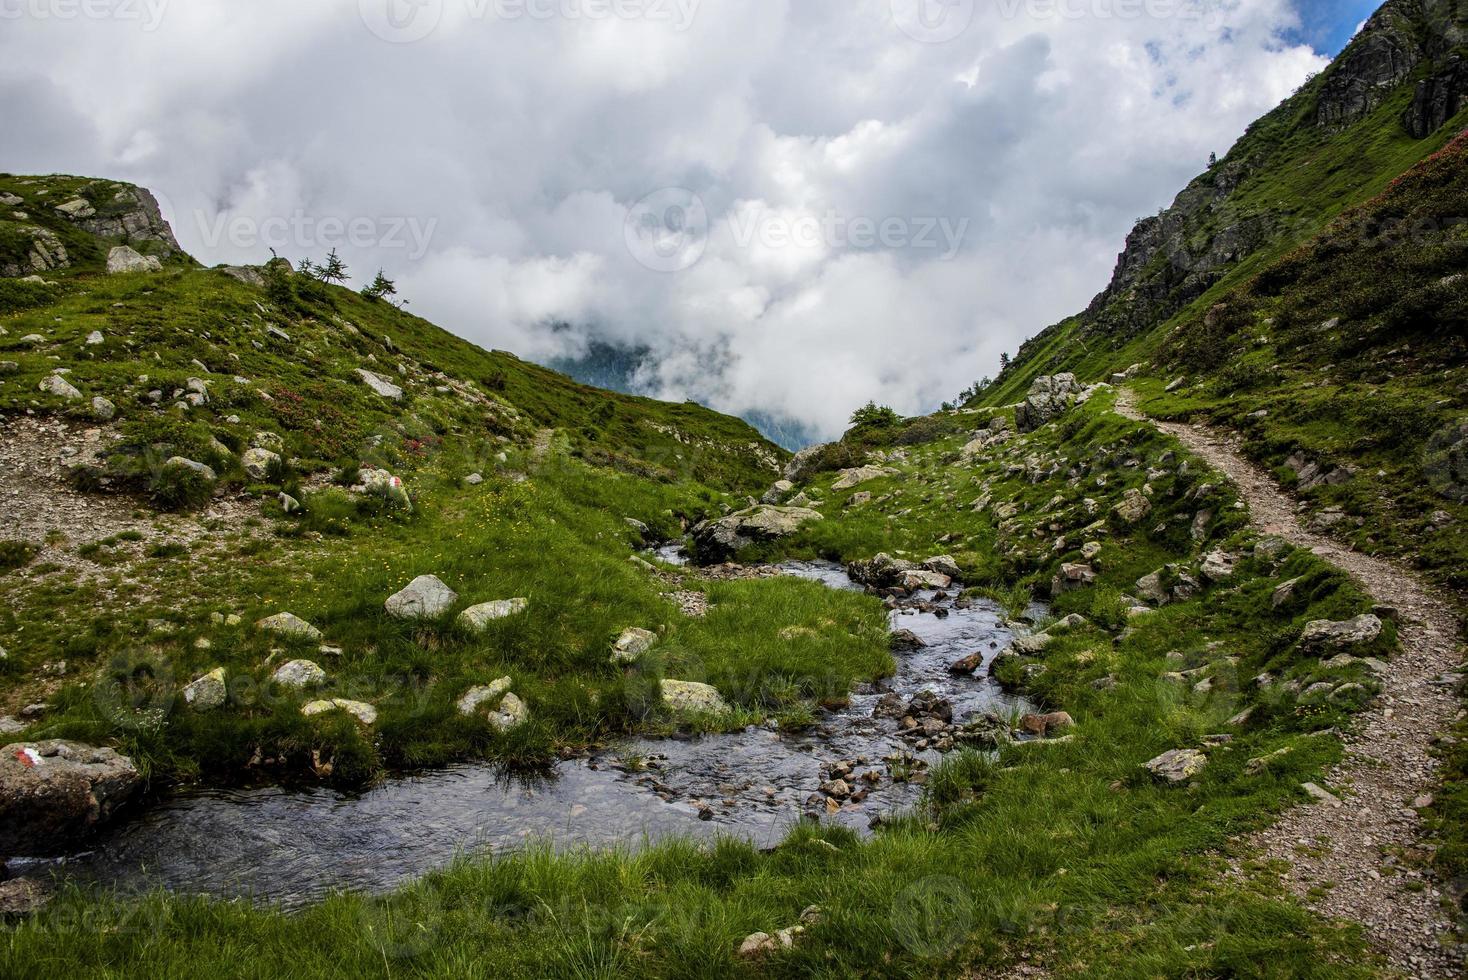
689,696
289,625
53,793
631,645
902,640
476,619
967,665
426,597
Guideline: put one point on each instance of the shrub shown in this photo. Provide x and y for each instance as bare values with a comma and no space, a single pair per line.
180,488
15,554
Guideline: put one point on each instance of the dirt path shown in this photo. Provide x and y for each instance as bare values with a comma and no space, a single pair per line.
1360,853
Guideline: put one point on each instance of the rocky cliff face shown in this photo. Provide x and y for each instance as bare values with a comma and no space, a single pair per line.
51,224
1175,257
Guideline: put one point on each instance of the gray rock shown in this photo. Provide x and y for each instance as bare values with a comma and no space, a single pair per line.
364,713
103,410
778,492
54,793
95,339
1048,399
288,503
207,692
1177,765
944,565
725,537
847,479
1218,566
426,597
55,384
511,714
476,619
1324,634
189,464
1133,507
474,479
475,697
631,645
289,625
259,462
688,696
381,385
124,259
299,674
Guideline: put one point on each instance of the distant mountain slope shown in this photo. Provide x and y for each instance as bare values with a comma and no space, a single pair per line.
1310,289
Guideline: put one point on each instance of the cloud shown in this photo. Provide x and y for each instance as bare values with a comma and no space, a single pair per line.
490,164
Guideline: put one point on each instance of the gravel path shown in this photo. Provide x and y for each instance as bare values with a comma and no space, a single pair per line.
1365,853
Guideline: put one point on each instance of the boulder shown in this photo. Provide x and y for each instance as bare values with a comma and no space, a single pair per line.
1323,634
299,674
124,259
1133,507
426,597
511,714
207,692
722,539
688,696
918,579
1177,765
778,492
967,665
55,384
381,483
53,793
944,565
1218,566
364,713
901,640
259,462
631,645
380,385
1048,399
205,471
103,410
847,479
476,619
21,897
470,703
288,624
1070,577
1048,724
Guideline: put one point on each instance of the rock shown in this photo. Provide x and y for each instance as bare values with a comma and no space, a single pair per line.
267,440
381,385
426,597
1070,577
1284,593
22,897
967,665
511,714
778,492
1045,725
1218,566
1032,645
944,565
1320,795
381,483
474,479
364,713
9,367
637,526
259,462
476,619
103,410
914,580
288,503
721,539
1133,507
205,471
288,624
632,644
905,640
847,479
124,259
1177,765
477,696
95,339
1048,398
299,674
77,208
757,944
55,384
1324,634
55,792
688,696
207,692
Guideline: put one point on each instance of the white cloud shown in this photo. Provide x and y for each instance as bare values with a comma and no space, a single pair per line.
520,143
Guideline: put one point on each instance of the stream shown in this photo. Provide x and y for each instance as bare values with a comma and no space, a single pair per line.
292,846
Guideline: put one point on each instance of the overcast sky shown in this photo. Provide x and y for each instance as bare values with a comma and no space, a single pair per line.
797,204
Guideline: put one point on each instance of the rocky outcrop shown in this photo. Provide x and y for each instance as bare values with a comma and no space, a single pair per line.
1437,99
1048,399
722,539
124,259
47,253
54,793
1365,74
1326,635
132,215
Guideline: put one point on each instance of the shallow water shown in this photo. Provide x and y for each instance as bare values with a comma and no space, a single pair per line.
293,846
